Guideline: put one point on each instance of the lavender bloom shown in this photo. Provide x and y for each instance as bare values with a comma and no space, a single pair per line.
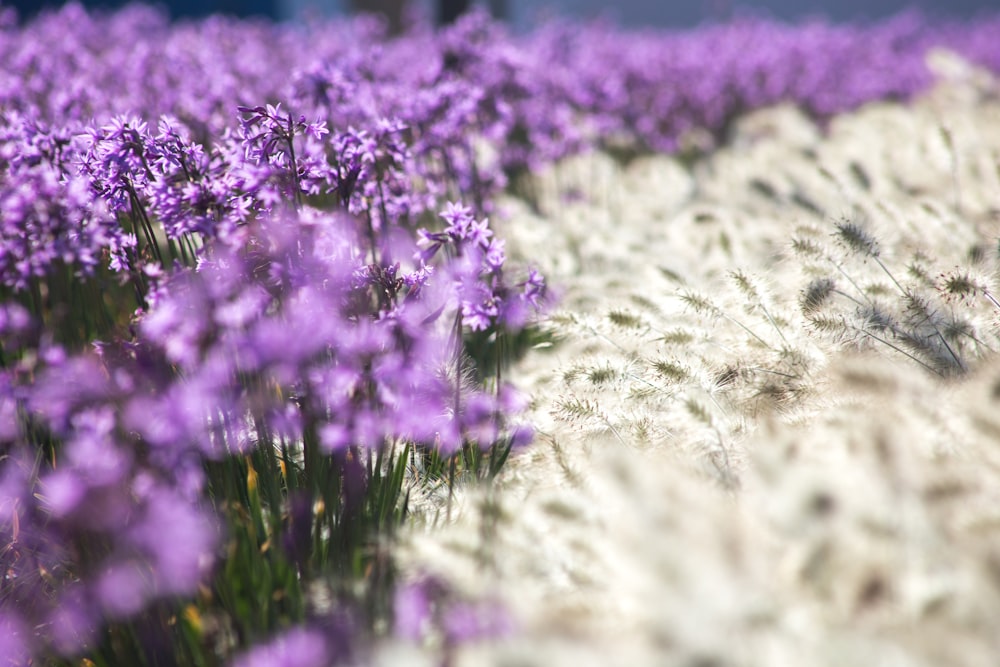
73,622
48,221
121,589
295,648
17,330
108,531
194,191
176,537
426,607
48,214
144,562
463,228
117,161
486,301
289,151
14,640
466,622
413,607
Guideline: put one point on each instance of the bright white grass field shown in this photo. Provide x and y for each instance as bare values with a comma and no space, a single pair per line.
722,476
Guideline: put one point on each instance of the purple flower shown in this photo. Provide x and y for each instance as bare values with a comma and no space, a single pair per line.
468,622
15,640
73,622
122,589
178,540
62,491
48,217
427,607
413,609
298,647
480,314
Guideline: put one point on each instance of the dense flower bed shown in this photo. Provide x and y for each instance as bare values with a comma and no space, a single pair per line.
251,298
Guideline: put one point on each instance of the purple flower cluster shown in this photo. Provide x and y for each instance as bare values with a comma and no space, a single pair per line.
48,216
653,88
102,525
298,647
426,608
365,366
318,644
289,340
389,127
486,301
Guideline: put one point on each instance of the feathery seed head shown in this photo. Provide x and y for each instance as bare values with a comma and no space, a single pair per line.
816,294
857,239
960,285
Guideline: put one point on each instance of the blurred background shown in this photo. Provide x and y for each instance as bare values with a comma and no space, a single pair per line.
522,14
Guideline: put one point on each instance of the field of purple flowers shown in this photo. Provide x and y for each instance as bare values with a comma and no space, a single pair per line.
251,300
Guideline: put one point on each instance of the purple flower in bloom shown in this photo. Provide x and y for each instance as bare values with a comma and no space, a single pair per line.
178,540
428,607
73,622
288,153
49,216
122,589
15,642
298,647
464,622
463,228
413,607
477,272
98,532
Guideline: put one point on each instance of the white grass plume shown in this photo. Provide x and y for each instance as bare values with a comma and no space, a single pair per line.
731,468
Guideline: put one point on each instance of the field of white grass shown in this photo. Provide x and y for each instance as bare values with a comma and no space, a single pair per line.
769,427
